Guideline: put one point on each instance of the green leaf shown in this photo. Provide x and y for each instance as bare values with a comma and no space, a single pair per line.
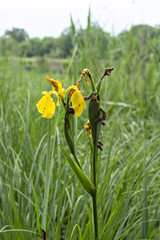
84,180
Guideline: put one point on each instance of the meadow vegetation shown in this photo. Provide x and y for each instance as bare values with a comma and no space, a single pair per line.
129,166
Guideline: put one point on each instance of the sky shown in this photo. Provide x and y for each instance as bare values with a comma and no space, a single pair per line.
40,18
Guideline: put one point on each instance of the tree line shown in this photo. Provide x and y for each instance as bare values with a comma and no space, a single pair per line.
94,39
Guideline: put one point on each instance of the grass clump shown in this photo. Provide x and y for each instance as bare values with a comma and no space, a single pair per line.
128,167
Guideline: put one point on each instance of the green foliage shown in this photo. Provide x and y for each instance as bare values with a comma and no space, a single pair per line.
65,43
17,43
36,47
8,47
84,180
17,34
92,41
128,166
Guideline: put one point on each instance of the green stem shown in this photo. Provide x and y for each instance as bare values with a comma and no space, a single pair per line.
145,205
99,83
47,185
94,198
92,83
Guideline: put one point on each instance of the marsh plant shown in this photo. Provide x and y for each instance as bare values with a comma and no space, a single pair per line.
74,103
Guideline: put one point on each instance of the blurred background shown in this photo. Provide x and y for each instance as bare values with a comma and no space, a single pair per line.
53,28
60,39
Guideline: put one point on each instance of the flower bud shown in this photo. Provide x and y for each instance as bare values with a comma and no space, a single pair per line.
69,130
94,114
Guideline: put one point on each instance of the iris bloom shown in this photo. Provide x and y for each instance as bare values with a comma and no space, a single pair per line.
88,129
58,90
77,100
46,106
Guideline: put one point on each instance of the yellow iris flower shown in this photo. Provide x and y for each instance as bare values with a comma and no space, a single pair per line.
88,129
77,101
58,90
46,106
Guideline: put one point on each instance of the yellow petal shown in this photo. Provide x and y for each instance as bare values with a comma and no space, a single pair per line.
56,84
57,103
49,93
72,87
57,87
78,103
88,129
46,106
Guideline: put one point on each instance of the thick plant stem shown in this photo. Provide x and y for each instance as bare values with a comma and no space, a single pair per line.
47,180
94,198
92,83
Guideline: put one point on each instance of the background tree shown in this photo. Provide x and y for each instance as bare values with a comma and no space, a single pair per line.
17,34
65,43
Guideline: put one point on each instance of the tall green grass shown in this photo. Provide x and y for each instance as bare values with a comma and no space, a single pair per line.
128,169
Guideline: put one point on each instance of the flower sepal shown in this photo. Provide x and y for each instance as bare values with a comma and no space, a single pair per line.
46,106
